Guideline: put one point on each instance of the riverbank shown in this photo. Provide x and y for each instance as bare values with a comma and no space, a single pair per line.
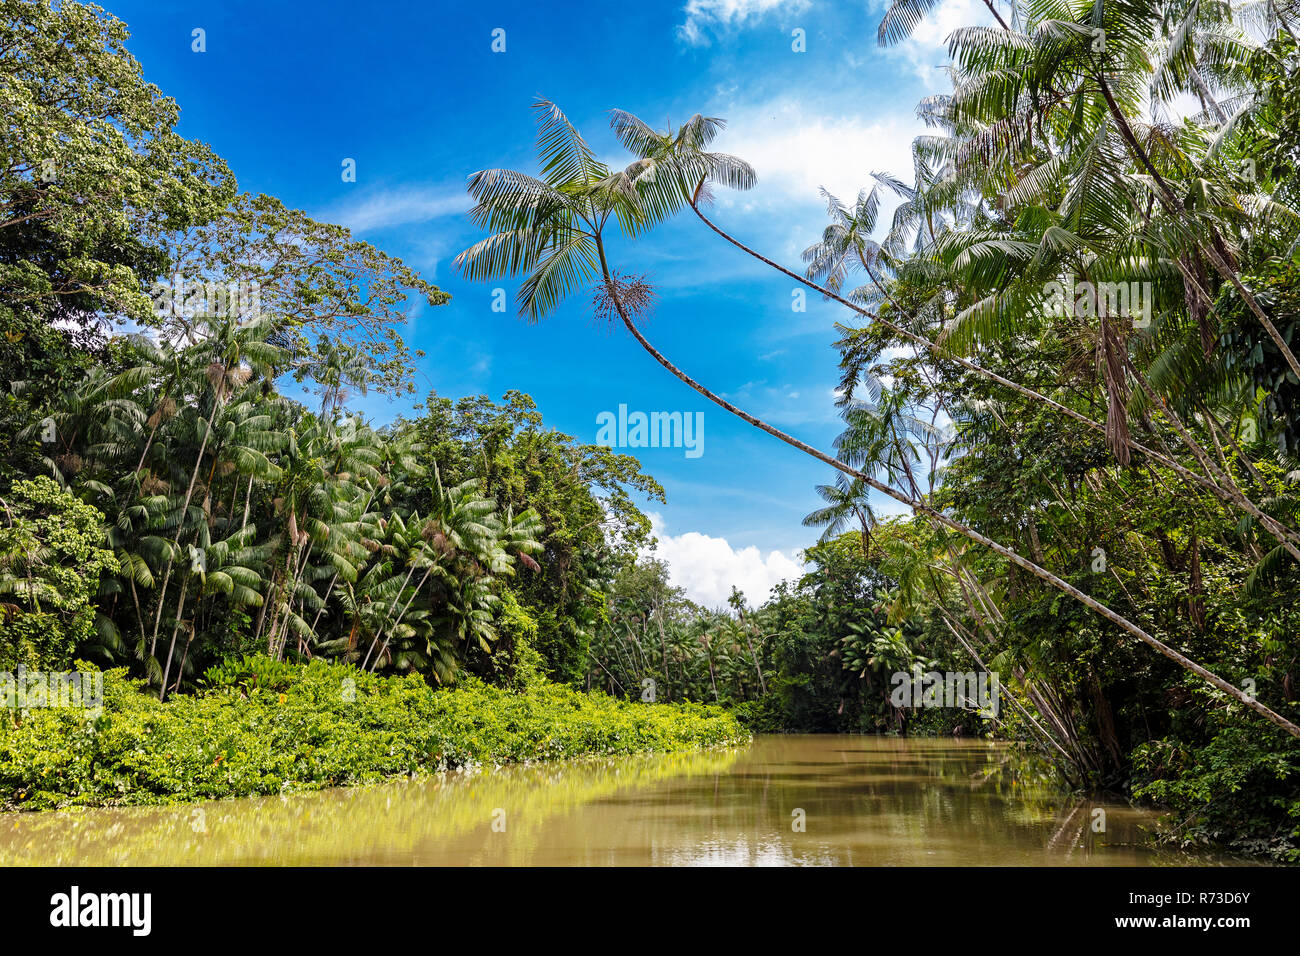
264,729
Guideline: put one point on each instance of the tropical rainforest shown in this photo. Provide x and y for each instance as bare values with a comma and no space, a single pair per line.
1102,500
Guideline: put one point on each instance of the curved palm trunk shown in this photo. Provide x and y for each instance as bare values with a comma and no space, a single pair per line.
1288,537
921,508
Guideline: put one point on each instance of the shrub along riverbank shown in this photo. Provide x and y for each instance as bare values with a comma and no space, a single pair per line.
263,727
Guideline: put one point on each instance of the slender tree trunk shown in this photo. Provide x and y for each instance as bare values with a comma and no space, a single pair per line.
271,591
922,508
1238,501
248,498
1208,102
329,588
140,464
762,686
663,652
712,680
180,609
180,527
299,566
398,621
389,613
180,670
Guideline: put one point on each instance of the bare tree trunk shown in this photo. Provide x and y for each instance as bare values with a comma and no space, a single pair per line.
180,608
398,621
922,508
180,527
762,686
1238,501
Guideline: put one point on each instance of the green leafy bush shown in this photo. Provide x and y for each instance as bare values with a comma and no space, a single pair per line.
50,563
251,673
1241,789
265,728
761,716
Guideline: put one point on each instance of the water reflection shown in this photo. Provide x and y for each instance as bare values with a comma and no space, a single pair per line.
863,801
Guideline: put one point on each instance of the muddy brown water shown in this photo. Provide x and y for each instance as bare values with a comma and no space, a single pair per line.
783,800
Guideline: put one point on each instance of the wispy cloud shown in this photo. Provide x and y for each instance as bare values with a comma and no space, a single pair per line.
705,17
787,405
398,206
926,50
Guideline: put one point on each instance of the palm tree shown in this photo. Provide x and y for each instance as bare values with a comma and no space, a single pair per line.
847,243
1082,71
230,356
845,499
943,196
335,367
550,229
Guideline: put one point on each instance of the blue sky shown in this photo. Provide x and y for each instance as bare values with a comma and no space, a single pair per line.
413,92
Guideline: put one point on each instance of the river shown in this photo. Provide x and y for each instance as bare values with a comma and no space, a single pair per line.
783,800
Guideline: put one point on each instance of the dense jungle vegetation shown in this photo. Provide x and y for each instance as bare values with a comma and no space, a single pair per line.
169,513
1103,500
1069,352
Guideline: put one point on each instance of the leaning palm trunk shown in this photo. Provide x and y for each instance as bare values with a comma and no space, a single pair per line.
281,638
1230,495
712,680
920,507
180,609
1062,736
1071,762
388,614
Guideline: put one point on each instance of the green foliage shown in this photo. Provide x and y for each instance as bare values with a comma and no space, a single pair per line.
1248,352
196,514
253,672
761,716
268,728
50,565
582,495
95,178
518,663
339,303
1241,789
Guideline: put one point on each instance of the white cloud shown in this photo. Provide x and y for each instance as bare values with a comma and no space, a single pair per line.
703,16
379,209
706,568
795,150
926,50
